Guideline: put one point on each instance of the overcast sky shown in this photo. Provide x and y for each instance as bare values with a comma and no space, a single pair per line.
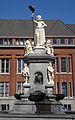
49,9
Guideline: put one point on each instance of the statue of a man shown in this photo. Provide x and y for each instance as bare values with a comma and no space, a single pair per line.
25,73
50,71
39,36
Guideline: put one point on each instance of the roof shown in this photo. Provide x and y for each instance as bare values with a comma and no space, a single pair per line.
72,27
24,28
16,28
60,29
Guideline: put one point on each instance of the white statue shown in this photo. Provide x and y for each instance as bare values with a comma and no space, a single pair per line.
39,36
25,73
50,71
28,48
49,48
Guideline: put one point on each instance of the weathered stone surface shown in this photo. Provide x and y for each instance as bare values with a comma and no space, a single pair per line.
37,96
40,99
36,117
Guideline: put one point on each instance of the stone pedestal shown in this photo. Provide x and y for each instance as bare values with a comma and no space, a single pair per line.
24,106
38,95
38,63
49,106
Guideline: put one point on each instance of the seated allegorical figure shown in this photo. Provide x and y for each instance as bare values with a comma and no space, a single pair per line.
28,48
49,48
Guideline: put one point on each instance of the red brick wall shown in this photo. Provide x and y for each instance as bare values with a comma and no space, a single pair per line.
13,77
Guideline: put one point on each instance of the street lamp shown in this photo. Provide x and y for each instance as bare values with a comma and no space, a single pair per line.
32,9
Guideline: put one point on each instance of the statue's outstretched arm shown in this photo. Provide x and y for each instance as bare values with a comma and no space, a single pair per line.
35,21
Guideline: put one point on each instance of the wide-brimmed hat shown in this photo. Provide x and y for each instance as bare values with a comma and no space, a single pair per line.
39,17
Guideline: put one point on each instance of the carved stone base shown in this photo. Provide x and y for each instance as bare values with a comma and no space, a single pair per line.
49,107
24,107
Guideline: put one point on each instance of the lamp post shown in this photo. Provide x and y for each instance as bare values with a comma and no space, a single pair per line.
32,9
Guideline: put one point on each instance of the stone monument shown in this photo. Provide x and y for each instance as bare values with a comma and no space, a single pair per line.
38,74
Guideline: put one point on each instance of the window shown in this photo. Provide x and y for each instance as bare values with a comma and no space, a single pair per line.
66,64
69,64
4,89
64,88
5,41
63,65
58,87
67,106
57,65
20,65
4,66
19,87
70,89
70,40
4,107
10,41
62,41
19,41
1,41
54,40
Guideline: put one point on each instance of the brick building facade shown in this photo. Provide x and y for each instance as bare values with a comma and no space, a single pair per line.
13,34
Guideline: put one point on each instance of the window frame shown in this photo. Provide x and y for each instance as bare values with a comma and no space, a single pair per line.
5,85
69,42
57,65
57,87
54,40
21,90
61,66
19,41
62,41
22,65
4,107
71,89
63,86
67,106
68,68
1,41
10,41
5,66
